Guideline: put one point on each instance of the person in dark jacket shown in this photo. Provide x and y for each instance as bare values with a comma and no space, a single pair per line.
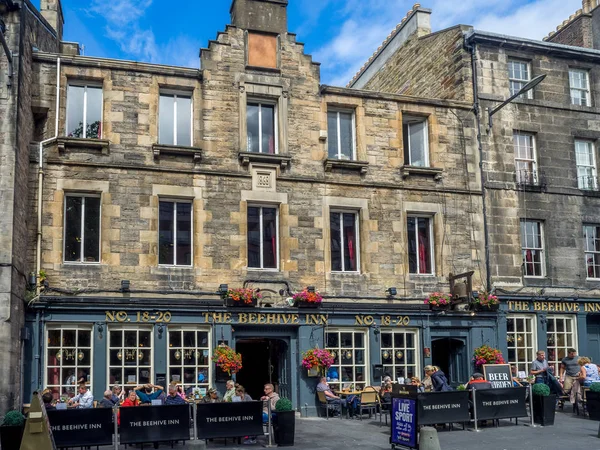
438,379
478,382
174,398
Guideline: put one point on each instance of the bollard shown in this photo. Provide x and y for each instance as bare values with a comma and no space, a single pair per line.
428,439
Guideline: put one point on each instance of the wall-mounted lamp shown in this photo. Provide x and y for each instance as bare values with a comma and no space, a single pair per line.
223,288
391,292
125,286
311,289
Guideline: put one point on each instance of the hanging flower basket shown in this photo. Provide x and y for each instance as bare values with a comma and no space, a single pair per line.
306,299
242,297
486,302
438,301
487,355
316,361
227,359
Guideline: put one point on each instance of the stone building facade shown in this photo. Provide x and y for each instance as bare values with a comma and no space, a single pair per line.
161,184
538,166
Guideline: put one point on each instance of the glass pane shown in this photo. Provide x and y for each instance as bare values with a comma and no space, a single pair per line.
166,233
144,356
115,376
184,234
399,340
53,338
130,338
116,338
203,357
386,340
252,128
73,211
202,339
424,246
189,339
75,95
184,121
350,244
269,238
359,356
175,338
254,237
52,358
347,374
359,374
336,245
418,155
145,339
346,340
268,128
114,357
54,376
346,134
84,357
68,338
412,245
84,338
332,134
91,244
359,340
175,374
94,113
332,340
165,120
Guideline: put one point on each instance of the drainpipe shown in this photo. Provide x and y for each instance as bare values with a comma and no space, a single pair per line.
476,109
38,254
37,352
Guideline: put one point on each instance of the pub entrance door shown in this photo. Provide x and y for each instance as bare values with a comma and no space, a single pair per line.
450,355
264,361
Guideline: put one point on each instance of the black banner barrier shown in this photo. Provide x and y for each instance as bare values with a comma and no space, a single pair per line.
224,420
443,407
82,427
154,424
500,403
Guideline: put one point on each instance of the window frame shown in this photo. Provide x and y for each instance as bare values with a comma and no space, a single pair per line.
408,120
175,201
541,249
393,349
195,329
527,95
555,333
339,349
530,350
277,250
250,100
593,253
125,385
176,94
533,161
356,213
85,85
593,166
83,196
351,111
431,242
586,89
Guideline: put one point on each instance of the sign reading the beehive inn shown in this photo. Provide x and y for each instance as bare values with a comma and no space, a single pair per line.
556,306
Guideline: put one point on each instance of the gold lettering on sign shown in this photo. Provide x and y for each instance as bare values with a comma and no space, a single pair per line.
316,319
243,318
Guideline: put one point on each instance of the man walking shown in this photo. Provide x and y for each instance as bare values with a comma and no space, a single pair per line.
569,370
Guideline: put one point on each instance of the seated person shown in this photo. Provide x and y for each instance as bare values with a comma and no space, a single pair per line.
83,400
107,400
240,395
47,398
415,381
174,398
230,391
131,400
478,382
212,396
386,396
272,397
145,393
179,389
117,394
332,399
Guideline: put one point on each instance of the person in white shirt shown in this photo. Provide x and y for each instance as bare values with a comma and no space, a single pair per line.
83,400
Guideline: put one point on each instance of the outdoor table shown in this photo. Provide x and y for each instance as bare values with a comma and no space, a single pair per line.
344,394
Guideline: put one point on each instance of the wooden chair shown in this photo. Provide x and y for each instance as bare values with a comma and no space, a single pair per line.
369,400
323,403
95,404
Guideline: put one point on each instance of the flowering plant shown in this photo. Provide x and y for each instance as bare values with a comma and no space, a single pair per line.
243,295
487,355
437,299
309,297
486,299
227,359
315,357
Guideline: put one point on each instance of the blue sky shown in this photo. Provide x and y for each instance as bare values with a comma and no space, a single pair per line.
340,34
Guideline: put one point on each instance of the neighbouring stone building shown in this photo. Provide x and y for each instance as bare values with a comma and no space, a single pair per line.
158,185
538,165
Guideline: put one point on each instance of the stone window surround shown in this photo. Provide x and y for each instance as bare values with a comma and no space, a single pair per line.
406,119
588,72
432,144
358,205
543,248
434,211
84,82
352,111
348,104
176,93
525,60
261,205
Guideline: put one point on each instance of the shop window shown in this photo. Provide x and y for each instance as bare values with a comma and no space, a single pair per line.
561,335
175,119
420,245
84,111
525,158
532,246
175,233
416,141
130,357
399,354
579,85
262,127
341,135
189,358
591,235
521,341
345,249
68,359
585,159
263,237
350,358
519,74
82,229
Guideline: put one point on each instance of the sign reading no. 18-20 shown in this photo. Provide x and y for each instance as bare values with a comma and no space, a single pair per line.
139,316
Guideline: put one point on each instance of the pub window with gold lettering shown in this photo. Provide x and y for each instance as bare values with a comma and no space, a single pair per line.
350,355
130,356
561,335
521,341
399,354
189,358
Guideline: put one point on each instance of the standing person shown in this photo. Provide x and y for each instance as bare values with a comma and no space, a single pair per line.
539,367
439,382
331,398
569,370
83,400
272,397
174,398
145,393
230,392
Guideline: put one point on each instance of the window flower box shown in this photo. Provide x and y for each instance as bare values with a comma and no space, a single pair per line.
307,299
241,298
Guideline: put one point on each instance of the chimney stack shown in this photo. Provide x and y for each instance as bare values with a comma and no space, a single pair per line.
589,5
268,16
52,11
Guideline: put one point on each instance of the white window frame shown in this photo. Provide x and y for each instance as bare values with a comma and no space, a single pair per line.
341,212
393,349
431,242
83,196
523,81
85,104
176,201
122,328
176,95
340,357
412,120
528,337
180,364
267,102
339,134
584,92
277,209
555,336
591,148
534,163
540,249
587,252
76,328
